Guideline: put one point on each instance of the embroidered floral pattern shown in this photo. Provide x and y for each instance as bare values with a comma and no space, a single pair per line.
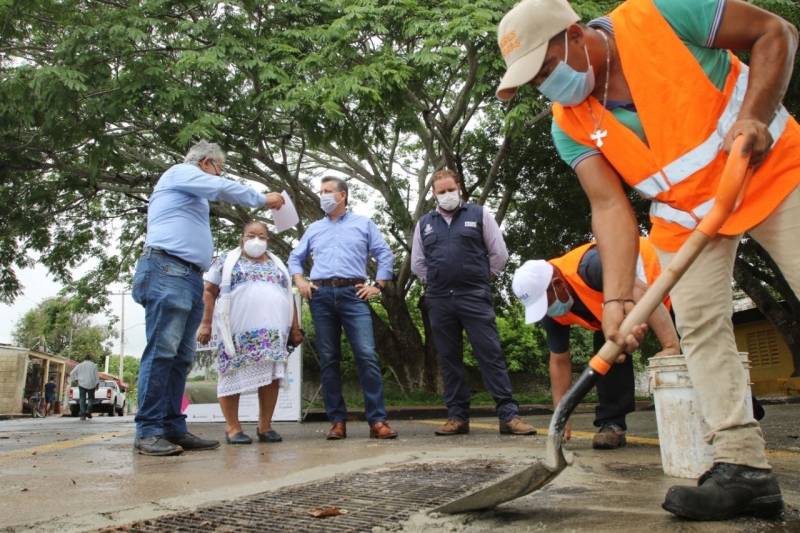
250,271
263,344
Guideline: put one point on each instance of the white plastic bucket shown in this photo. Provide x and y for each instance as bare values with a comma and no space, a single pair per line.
681,425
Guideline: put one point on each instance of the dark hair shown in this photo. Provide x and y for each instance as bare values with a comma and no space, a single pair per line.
341,186
558,38
250,222
87,357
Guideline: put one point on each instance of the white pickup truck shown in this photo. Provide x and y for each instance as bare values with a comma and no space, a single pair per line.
109,398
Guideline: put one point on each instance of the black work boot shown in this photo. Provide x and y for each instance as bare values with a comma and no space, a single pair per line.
727,491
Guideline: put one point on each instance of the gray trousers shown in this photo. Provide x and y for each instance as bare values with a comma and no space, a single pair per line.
452,315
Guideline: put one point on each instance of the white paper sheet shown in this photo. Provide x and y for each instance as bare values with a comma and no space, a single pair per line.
286,216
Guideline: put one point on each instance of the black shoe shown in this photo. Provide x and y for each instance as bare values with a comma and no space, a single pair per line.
190,442
89,416
727,491
157,445
269,436
83,418
239,438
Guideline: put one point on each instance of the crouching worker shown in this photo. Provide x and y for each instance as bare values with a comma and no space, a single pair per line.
568,290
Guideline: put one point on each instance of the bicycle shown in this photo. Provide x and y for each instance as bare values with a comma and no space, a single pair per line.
38,405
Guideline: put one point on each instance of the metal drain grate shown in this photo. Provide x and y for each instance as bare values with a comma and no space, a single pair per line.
371,499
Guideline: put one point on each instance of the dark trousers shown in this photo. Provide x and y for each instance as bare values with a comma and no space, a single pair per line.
85,400
615,391
450,317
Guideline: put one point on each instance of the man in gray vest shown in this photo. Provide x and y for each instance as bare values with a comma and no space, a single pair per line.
458,249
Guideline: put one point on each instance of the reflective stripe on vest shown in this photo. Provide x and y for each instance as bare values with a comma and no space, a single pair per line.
699,158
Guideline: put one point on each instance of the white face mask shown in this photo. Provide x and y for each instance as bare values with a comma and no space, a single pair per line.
327,202
449,201
255,247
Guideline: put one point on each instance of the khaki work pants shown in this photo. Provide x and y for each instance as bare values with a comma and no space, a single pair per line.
703,303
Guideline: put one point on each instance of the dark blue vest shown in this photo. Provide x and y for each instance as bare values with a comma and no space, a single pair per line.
455,255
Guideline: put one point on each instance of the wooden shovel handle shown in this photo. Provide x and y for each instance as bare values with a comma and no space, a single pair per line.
730,190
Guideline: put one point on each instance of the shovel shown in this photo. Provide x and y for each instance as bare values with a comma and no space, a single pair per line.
730,190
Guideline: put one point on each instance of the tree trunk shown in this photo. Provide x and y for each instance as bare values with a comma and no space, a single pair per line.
401,347
783,320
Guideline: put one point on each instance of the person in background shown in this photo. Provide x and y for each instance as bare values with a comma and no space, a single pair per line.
458,249
168,283
337,295
568,290
88,379
249,302
50,394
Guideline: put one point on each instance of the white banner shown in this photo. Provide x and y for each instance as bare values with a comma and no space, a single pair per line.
200,399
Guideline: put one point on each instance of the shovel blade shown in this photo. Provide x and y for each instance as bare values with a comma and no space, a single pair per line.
532,478
540,473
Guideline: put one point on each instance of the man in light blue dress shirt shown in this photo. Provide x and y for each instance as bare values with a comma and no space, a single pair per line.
337,295
169,285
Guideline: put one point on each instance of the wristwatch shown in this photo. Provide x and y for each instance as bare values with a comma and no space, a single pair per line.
378,285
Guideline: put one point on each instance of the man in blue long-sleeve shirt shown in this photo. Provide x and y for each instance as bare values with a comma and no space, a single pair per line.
337,295
169,284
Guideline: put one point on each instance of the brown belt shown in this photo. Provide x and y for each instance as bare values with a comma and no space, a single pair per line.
337,282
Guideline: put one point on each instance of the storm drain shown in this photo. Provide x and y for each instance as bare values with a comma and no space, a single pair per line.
375,499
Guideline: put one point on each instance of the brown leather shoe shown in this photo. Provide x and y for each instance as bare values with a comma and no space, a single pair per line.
453,427
517,426
609,437
338,431
381,430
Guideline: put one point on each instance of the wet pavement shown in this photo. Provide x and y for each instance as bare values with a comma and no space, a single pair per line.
61,474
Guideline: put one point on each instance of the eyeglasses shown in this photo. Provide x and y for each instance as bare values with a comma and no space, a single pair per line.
216,167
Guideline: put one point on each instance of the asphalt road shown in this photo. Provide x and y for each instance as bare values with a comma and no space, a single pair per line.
62,474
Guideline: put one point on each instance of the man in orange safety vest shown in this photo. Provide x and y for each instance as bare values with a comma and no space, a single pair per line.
653,95
568,290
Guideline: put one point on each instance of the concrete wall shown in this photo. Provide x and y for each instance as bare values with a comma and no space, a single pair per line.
13,367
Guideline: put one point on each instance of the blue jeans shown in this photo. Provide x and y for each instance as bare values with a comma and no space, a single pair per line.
172,296
334,308
85,400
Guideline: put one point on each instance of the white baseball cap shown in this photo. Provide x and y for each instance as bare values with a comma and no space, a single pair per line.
523,36
530,285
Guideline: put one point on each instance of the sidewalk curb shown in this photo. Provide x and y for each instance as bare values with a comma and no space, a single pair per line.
417,412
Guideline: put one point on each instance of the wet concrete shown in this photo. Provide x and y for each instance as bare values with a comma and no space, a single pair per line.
67,475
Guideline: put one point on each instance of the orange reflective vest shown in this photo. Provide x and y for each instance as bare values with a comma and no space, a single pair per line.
647,269
685,118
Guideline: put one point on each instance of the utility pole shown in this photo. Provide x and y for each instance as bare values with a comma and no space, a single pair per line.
121,332
122,338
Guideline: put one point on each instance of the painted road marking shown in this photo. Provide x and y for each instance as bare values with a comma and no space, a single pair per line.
588,435
61,445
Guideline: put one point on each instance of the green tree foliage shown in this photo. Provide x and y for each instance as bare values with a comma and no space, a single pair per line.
130,369
54,326
98,98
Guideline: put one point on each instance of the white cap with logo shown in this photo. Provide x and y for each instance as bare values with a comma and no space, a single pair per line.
530,285
523,36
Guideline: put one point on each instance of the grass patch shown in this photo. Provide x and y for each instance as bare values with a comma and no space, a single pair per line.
394,396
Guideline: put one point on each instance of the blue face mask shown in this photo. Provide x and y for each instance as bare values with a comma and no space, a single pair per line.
567,86
559,308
